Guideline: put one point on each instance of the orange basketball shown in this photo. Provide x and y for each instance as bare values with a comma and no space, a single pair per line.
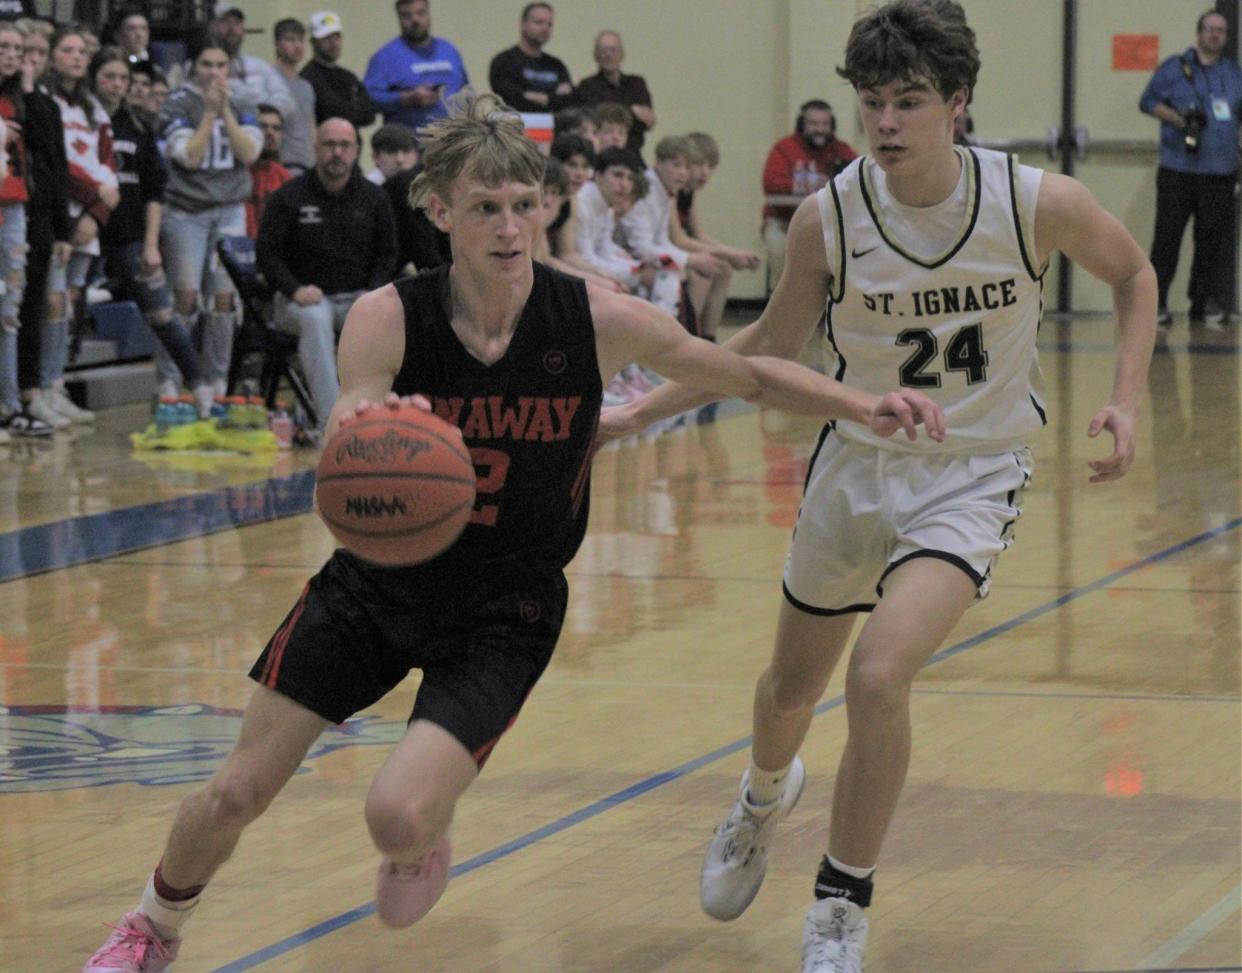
395,486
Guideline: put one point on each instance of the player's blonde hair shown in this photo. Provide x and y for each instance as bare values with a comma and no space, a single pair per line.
482,137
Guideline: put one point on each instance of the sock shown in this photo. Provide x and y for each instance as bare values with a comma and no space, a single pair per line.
765,786
168,908
836,880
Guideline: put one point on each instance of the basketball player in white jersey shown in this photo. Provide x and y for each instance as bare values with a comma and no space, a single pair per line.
930,259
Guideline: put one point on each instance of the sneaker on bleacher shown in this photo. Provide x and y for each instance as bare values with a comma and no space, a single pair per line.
65,406
39,408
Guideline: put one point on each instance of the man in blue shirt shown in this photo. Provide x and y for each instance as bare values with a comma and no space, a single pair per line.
412,76
1197,96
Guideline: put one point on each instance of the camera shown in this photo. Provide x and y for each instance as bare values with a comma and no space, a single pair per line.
1196,122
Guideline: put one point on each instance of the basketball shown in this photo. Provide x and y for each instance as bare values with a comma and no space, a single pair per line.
395,486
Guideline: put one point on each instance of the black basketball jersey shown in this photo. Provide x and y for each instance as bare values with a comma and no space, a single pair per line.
529,419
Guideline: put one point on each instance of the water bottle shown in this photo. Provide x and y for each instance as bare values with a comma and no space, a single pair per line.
187,411
282,426
234,412
799,178
812,177
256,413
165,414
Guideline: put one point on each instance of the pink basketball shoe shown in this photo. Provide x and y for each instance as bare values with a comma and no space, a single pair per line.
134,947
404,893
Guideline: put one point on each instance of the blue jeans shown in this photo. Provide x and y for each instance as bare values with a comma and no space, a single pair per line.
13,280
317,326
189,243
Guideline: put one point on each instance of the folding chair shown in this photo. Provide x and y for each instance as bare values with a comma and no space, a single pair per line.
257,336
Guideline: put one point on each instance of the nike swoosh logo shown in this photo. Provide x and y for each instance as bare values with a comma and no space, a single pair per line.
862,253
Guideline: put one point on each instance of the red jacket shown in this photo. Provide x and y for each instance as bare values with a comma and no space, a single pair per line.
13,182
266,176
788,152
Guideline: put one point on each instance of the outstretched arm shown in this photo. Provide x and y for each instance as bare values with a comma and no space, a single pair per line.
787,322
1068,218
628,330
370,354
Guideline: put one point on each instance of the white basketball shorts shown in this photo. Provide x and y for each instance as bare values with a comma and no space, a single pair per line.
865,511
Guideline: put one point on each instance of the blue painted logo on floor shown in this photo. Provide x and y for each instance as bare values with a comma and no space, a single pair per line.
53,748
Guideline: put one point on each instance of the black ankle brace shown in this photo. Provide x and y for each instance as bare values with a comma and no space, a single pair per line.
831,883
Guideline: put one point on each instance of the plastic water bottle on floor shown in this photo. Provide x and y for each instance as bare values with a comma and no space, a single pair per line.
282,426
165,414
256,413
187,411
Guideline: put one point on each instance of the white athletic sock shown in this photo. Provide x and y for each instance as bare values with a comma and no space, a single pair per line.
765,786
167,917
853,870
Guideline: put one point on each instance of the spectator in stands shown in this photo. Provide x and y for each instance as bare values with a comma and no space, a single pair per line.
130,239
211,137
48,226
94,193
158,97
577,155
555,198
326,237
394,148
577,161
601,205
250,78
648,224
139,90
36,45
90,39
575,121
610,85
597,204
297,151
266,173
412,76
132,34
707,295
338,92
527,78
613,124
13,198
813,154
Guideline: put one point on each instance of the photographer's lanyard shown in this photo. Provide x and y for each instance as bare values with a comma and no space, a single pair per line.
1219,104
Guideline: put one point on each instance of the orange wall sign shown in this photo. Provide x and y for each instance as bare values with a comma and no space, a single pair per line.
1136,52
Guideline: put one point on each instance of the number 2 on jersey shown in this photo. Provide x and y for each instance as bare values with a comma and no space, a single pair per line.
965,353
497,466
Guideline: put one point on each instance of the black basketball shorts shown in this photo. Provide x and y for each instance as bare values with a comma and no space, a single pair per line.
482,642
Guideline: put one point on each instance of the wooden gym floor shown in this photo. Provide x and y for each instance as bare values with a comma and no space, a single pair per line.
1073,802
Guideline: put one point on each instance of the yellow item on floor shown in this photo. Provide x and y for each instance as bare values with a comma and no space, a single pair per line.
204,435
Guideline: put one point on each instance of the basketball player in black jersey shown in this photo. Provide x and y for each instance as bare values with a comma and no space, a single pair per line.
515,355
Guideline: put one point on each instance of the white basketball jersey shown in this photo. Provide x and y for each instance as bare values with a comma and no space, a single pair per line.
958,325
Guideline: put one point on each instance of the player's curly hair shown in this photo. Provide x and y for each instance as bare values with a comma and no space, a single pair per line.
908,39
482,136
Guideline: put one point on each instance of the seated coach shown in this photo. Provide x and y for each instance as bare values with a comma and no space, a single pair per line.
326,237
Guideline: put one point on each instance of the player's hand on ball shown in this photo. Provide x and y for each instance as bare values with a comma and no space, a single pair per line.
907,410
391,401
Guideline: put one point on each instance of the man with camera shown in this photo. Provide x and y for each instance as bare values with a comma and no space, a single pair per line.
1197,96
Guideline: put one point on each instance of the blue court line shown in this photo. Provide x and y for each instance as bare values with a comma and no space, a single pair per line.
322,929
78,540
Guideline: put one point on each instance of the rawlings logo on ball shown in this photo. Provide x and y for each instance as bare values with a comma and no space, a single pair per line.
384,450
